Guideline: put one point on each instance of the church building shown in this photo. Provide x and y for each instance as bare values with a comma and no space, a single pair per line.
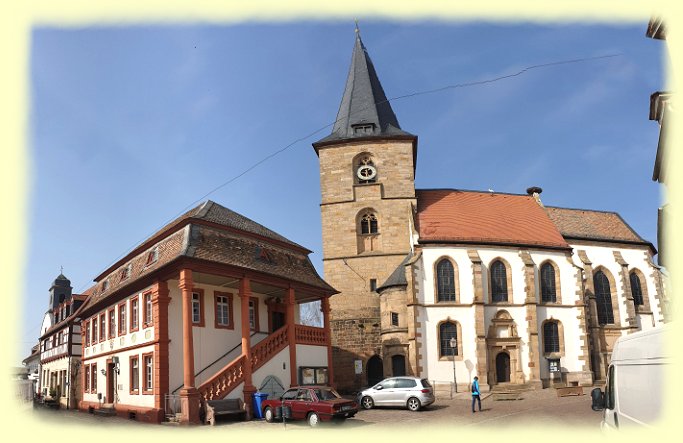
448,284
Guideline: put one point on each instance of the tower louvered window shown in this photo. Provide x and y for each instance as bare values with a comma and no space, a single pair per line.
603,298
445,279
499,285
636,289
551,337
548,293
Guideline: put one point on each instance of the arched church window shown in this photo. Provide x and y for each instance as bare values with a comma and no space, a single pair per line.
447,331
499,287
548,292
551,337
445,280
636,289
368,223
603,298
366,171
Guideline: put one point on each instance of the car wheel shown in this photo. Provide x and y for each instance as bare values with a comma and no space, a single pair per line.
367,402
268,414
413,404
313,419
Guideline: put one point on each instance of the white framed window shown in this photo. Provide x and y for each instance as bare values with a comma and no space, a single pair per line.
196,308
222,310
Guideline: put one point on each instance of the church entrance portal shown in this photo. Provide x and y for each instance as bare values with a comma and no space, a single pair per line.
502,368
375,370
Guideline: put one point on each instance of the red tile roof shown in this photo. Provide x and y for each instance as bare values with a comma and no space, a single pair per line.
455,216
593,225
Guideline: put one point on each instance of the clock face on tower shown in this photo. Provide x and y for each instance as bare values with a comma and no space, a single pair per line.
366,172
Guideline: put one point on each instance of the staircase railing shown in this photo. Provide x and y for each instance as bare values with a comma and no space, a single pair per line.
232,375
239,345
268,347
224,381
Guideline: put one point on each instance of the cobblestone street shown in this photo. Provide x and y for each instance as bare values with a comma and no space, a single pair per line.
535,408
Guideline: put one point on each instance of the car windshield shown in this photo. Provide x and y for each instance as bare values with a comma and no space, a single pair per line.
326,394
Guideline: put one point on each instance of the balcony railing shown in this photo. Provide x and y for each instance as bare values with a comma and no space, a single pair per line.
310,335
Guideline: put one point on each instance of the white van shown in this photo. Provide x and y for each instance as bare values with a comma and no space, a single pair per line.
635,380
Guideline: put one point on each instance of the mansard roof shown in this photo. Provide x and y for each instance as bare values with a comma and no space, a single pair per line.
478,217
363,103
212,234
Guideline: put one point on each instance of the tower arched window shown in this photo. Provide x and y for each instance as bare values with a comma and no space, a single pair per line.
636,289
499,288
368,223
445,281
551,337
603,298
447,331
365,170
548,290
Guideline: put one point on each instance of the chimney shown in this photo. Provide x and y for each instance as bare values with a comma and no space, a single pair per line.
535,192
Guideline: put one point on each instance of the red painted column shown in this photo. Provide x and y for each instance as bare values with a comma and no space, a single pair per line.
249,389
325,307
189,396
160,301
291,337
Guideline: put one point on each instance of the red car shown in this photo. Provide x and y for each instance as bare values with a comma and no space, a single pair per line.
311,403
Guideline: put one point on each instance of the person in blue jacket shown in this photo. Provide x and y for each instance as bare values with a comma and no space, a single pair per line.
475,393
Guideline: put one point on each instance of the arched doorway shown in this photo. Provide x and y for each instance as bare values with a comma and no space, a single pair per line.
375,370
398,365
502,367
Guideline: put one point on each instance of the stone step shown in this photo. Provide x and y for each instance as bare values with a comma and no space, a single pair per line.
105,412
512,387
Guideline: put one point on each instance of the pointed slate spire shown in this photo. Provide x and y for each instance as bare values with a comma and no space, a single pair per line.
364,110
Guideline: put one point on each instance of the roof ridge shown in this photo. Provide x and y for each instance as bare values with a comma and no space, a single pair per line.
472,191
583,209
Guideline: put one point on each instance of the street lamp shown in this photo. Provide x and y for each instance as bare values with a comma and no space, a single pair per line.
453,344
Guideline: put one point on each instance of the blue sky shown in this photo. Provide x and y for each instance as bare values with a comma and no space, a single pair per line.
131,125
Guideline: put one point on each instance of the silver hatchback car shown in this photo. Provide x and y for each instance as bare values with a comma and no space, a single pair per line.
410,392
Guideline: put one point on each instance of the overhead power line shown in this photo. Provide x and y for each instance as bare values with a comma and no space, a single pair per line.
300,139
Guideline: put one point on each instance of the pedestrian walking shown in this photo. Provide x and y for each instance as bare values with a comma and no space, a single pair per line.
475,393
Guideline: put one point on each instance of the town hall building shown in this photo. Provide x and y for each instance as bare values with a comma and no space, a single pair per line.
448,284
205,309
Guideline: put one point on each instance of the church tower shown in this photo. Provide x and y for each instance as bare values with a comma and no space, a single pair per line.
367,173
60,291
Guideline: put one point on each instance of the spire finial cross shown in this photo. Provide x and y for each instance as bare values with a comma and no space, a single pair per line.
357,30
61,269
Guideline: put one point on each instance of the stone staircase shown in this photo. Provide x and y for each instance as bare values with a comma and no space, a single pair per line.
228,378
